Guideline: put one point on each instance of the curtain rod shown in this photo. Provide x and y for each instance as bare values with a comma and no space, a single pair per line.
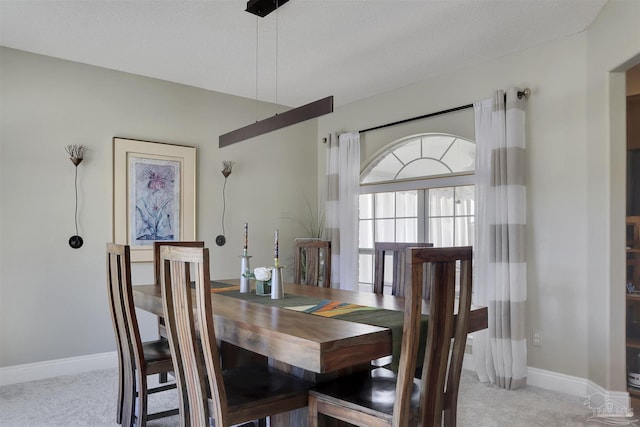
526,92
450,110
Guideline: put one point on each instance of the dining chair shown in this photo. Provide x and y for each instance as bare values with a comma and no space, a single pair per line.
156,279
312,261
136,359
397,250
381,397
227,397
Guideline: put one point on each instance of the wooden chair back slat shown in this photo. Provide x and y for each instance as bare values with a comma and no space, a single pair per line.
312,261
397,249
460,340
191,335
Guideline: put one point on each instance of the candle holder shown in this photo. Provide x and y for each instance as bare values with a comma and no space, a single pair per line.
245,274
277,283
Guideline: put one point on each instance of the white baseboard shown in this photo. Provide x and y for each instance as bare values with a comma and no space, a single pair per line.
55,368
555,381
619,401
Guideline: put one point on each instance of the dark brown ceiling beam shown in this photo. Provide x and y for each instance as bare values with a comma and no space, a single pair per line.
297,115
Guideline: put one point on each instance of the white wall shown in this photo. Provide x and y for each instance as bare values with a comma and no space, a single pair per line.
575,190
53,299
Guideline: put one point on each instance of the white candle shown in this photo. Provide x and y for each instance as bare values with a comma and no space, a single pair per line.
246,237
275,251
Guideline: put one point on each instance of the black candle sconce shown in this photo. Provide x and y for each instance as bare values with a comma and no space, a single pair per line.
227,166
76,155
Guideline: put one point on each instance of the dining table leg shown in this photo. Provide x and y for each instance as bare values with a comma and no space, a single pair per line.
300,417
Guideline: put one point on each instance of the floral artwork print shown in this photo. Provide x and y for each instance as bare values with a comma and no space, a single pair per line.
154,207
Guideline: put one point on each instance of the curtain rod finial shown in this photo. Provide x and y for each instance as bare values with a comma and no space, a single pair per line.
526,92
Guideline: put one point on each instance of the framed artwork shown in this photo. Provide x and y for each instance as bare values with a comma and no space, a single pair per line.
154,194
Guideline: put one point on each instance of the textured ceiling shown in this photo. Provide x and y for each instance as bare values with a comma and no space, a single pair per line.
351,49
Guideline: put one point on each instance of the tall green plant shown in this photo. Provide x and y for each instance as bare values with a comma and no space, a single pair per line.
314,222
313,225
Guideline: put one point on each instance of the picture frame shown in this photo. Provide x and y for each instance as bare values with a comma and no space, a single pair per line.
154,194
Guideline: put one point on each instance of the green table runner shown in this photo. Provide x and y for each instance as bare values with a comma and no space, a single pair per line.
353,313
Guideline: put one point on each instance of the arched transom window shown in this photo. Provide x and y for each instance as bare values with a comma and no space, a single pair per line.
418,189
421,156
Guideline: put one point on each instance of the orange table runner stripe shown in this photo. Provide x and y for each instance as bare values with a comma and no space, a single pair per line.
215,290
329,308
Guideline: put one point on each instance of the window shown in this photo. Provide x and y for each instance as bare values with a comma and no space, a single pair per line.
419,189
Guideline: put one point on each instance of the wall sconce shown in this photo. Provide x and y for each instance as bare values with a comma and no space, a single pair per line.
76,155
227,166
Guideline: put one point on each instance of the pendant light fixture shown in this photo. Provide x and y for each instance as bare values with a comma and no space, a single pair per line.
262,8
309,111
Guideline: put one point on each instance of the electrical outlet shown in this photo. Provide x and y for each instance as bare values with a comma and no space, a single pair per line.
537,339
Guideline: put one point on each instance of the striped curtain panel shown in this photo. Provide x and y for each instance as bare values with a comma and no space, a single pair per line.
343,186
500,268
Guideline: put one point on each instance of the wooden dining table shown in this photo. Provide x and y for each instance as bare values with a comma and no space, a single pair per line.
321,346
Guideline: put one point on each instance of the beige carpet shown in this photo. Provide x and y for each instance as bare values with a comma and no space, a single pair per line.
88,400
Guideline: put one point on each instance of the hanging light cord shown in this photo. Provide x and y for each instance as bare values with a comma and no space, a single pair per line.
76,210
256,104
277,25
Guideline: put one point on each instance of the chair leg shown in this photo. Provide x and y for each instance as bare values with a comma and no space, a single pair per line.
120,401
128,398
141,404
163,377
449,416
313,411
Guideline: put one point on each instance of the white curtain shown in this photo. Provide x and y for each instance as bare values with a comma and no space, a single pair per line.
343,183
500,281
